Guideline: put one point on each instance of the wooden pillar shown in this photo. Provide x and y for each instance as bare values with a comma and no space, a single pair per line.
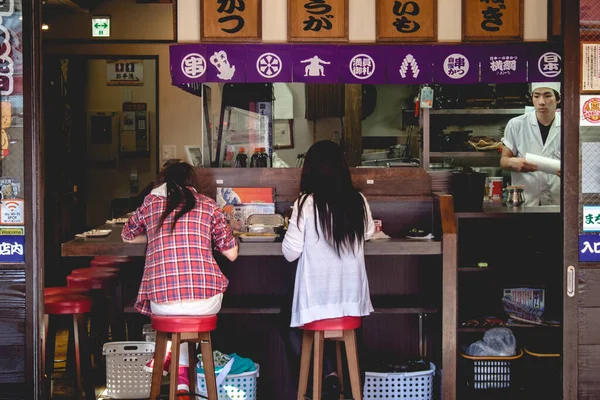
352,139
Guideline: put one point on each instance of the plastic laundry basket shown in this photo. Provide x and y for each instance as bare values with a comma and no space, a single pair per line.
125,375
235,386
399,385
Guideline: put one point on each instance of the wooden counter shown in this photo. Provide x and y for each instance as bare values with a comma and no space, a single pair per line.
114,246
408,280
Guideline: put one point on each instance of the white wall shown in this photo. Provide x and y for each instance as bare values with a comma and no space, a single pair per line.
106,184
362,20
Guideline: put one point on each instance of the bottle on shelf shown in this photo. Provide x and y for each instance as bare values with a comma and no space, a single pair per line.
263,159
241,160
254,158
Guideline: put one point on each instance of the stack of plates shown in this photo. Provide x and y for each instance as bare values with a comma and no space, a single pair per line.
441,180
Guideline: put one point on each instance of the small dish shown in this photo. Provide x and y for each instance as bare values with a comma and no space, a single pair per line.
117,220
427,237
97,233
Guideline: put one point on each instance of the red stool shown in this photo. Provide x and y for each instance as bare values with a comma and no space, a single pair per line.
107,311
107,270
75,305
183,329
339,329
110,261
64,290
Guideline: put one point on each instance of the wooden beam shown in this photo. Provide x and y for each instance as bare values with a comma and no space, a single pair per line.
352,137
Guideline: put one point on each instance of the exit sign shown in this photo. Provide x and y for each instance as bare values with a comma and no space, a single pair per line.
100,26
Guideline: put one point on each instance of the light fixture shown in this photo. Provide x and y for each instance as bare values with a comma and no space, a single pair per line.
45,27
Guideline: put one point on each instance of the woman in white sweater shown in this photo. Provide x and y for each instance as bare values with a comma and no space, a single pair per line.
329,225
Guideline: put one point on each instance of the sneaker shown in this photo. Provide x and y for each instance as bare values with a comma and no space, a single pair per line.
331,387
149,367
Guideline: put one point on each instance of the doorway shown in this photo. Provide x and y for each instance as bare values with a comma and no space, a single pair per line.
101,142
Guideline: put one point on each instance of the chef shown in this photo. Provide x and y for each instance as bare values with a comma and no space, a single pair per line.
535,133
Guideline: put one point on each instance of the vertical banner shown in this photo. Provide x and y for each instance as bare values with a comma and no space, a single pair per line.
268,63
236,20
492,20
362,64
399,21
226,63
317,20
545,64
412,65
456,64
188,64
316,64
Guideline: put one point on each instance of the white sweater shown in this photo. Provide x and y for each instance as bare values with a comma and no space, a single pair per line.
327,285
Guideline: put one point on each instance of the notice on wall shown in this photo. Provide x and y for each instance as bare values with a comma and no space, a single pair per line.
125,73
590,67
12,212
591,219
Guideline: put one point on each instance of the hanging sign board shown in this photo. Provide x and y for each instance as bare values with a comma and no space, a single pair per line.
236,20
125,73
406,21
317,20
490,20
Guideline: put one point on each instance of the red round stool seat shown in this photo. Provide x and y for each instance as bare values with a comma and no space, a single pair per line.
333,324
67,304
92,280
64,290
181,323
108,270
109,261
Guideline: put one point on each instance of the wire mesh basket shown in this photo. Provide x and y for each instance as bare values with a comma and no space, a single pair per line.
125,374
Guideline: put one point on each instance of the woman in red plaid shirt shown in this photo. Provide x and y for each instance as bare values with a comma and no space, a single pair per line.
181,226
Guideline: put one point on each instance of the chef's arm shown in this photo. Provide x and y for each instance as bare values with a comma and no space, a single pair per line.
509,162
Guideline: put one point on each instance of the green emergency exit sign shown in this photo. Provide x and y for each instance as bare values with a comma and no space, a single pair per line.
100,26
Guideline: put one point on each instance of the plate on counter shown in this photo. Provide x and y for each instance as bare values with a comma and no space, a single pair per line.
264,237
117,221
94,233
427,237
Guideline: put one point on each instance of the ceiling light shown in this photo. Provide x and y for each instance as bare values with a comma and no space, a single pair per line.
45,27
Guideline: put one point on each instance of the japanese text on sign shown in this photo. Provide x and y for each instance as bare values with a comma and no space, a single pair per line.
403,24
7,9
503,65
231,23
492,15
589,247
12,248
320,17
591,219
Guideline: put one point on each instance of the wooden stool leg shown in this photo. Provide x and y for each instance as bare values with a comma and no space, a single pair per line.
353,369
49,356
209,365
175,342
82,358
307,342
159,358
192,369
318,365
340,367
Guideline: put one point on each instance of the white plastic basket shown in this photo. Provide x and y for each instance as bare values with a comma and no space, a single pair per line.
125,375
235,386
399,385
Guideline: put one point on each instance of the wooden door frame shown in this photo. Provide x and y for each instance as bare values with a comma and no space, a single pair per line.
33,191
570,191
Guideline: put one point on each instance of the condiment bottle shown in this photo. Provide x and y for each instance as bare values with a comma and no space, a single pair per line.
254,158
242,158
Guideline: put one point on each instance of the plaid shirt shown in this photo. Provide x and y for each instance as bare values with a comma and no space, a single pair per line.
179,263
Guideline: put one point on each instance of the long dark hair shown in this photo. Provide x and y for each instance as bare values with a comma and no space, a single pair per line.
179,177
339,207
